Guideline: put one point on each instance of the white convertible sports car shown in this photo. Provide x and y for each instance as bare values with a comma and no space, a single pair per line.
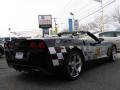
66,54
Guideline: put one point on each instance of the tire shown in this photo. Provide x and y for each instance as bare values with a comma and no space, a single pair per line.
0,54
74,65
113,54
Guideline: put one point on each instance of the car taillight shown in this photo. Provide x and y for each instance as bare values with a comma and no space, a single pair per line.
33,45
40,45
8,45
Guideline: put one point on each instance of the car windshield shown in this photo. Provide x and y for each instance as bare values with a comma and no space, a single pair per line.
107,34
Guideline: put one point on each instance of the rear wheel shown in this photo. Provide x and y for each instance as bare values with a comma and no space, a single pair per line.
74,65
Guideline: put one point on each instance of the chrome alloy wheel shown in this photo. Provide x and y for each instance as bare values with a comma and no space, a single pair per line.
0,54
74,65
114,54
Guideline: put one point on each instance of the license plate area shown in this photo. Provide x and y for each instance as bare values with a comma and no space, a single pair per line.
19,55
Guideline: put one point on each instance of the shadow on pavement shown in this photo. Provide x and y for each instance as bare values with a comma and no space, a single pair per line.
43,77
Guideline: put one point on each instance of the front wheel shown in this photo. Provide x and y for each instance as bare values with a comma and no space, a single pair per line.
0,54
74,65
113,55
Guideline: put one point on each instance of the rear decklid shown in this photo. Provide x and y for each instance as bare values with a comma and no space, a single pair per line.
32,52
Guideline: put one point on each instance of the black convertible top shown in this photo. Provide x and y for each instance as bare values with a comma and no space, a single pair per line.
74,33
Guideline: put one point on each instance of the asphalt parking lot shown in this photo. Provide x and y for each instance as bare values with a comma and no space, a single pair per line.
97,76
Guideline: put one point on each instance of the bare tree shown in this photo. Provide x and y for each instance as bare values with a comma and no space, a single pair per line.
92,25
116,15
83,27
96,24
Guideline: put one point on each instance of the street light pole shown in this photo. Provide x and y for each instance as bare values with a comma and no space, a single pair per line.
72,14
9,33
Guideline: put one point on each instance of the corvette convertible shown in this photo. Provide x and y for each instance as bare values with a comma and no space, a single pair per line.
66,54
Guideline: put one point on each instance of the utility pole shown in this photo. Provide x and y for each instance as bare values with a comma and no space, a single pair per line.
55,25
102,16
56,31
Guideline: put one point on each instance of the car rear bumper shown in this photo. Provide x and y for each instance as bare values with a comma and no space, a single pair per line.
33,60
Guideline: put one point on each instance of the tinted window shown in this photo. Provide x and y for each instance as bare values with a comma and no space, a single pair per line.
1,40
7,39
117,34
107,34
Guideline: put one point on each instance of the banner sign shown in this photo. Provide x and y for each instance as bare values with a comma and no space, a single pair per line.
45,21
76,25
70,25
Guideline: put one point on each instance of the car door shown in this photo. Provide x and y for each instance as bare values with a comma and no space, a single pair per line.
95,49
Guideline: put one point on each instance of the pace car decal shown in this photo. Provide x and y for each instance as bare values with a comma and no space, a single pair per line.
55,62
63,49
57,54
52,50
71,47
97,52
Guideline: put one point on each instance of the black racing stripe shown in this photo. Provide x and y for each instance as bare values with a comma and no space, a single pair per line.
60,61
64,54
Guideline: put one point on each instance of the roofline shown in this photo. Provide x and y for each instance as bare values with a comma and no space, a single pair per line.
110,31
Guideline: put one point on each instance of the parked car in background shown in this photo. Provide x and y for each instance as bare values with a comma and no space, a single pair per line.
112,36
2,41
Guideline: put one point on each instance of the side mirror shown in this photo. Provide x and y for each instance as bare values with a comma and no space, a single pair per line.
101,39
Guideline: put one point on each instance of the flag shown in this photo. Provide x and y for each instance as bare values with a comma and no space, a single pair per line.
9,29
71,13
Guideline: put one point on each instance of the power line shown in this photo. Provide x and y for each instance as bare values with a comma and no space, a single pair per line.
90,9
97,10
83,7
66,5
